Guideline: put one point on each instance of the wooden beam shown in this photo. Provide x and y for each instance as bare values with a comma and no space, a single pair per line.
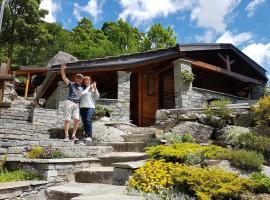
27,85
226,72
6,77
163,69
227,60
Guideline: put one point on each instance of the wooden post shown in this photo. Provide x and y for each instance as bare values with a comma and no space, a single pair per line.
27,85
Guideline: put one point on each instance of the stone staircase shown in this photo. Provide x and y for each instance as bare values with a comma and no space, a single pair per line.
107,180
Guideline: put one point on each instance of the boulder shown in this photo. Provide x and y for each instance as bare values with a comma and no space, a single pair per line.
103,133
200,132
245,119
262,130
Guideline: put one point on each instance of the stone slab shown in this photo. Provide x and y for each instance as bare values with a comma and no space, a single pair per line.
109,197
59,161
130,165
95,174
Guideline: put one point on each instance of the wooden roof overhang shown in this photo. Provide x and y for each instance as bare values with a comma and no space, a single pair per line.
137,60
25,70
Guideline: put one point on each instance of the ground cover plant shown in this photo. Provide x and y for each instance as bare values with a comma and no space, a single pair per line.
172,138
261,111
204,183
44,153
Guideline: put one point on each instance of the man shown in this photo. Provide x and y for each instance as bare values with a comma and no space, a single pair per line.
72,103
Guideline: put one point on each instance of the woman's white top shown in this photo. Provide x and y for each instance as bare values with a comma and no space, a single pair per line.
88,98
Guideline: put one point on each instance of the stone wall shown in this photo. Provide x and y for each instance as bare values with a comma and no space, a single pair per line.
187,96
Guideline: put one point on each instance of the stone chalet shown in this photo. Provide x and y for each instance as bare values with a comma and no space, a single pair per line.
135,86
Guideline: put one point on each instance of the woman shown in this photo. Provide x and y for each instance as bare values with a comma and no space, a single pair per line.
87,105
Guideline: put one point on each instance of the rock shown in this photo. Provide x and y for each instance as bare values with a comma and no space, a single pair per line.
202,118
214,121
161,115
225,165
262,130
200,132
3,151
245,119
222,134
103,133
188,117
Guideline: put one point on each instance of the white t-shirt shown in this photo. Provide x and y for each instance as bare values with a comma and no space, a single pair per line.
88,98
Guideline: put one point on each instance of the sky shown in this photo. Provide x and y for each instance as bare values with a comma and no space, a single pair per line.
244,23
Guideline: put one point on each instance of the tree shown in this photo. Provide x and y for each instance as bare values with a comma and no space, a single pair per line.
159,37
125,38
21,24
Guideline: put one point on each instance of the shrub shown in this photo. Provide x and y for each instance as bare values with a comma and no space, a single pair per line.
172,138
218,108
180,151
233,135
193,159
187,76
18,175
261,111
35,153
245,160
262,180
204,183
101,111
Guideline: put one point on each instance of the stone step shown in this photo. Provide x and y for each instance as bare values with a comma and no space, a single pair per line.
71,190
139,137
95,174
115,157
125,146
109,197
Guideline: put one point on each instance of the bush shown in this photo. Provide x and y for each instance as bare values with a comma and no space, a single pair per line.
172,138
233,135
18,175
262,180
219,109
245,160
44,153
261,111
204,183
179,152
252,141
187,76
100,112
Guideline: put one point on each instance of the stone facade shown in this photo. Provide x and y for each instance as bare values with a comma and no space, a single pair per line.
187,96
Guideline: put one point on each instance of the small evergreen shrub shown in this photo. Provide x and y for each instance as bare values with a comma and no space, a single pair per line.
35,152
204,183
193,159
245,160
101,111
233,135
252,141
262,180
218,109
261,111
187,137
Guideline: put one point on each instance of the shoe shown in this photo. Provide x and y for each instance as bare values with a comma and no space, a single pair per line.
89,139
75,138
66,139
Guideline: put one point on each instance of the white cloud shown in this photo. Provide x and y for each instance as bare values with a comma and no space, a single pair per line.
143,11
211,14
52,7
236,40
260,53
252,5
93,8
207,37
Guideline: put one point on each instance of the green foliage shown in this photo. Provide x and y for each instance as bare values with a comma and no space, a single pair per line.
262,180
218,108
204,183
245,160
193,159
172,138
101,111
187,76
35,153
44,153
18,175
232,137
261,111
180,152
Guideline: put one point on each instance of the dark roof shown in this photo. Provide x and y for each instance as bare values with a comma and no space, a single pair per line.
125,62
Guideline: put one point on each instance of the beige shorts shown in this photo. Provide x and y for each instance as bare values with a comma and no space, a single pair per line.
72,109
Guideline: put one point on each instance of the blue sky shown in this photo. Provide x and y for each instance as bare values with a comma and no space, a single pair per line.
244,23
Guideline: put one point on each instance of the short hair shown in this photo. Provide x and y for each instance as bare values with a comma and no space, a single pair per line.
78,76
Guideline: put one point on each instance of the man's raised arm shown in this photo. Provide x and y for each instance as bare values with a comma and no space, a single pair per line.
65,79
